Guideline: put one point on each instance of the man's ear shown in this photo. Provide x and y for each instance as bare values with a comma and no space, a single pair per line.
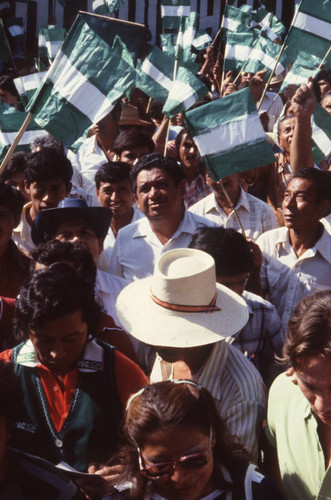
26,186
68,187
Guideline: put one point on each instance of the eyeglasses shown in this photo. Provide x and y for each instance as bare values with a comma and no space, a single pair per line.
193,461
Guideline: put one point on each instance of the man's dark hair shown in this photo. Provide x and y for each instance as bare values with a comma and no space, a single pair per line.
16,165
309,330
7,83
129,139
155,110
229,249
12,199
324,74
47,141
52,293
11,395
48,164
321,180
75,254
156,160
116,171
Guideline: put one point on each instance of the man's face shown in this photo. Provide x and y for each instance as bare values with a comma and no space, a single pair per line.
324,86
60,342
326,104
246,77
80,231
188,153
230,183
300,208
314,380
46,194
117,196
286,134
157,195
7,224
236,282
17,181
133,155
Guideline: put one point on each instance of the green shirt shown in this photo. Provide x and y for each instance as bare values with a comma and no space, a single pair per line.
292,428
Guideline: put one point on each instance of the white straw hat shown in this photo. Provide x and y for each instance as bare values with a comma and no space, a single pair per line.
181,305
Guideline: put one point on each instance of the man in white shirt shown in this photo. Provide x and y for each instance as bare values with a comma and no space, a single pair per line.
297,257
159,187
255,215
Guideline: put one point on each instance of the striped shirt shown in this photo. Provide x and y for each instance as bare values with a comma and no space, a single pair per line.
255,215
237,389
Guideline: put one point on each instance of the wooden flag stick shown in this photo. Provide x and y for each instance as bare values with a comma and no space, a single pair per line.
148,105
17,139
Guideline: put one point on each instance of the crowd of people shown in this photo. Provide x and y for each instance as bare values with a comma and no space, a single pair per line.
164,335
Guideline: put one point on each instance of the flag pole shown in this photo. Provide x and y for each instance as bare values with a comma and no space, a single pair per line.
148,105
17,139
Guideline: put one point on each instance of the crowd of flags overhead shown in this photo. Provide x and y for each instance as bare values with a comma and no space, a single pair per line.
81,86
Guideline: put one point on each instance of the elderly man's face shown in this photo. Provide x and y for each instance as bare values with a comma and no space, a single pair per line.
314,380
80,231
286,134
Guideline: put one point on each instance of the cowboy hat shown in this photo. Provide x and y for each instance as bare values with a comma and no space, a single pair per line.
47,221
181,305
130,116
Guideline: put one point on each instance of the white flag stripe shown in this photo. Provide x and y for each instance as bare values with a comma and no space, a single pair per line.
19,85
313,25
182,92
7,138
230,24
227,136
267,60
15,30
200,40
72,85
171,11
294,78
188,36
270,33
152,71
322,140
98,3
239,52
53,47
42,40
33,81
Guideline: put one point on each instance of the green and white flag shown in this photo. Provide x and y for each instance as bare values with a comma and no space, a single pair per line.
172,12
235,20
81,86
202,40
42,49
238,49
15,28
5,53
168,43
155,75
106,7
270,25
190,28
321,133
54,38
10,123
310,29
185,91
264,55
27,86
304,66
229,135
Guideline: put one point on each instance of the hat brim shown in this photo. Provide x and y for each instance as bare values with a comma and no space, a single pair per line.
46,222
155,325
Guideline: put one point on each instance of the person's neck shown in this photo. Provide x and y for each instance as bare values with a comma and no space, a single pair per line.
301,241
187,367
165,227
190,174
30,215
119,221
225,204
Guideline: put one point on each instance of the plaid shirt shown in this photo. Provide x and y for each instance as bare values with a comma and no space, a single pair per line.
195,191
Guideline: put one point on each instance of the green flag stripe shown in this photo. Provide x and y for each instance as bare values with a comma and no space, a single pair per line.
321,139
7,138
267,60
171,11
73,86
152,71
313,25
244,130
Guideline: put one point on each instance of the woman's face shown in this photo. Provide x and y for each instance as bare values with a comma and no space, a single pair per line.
170,445
188,152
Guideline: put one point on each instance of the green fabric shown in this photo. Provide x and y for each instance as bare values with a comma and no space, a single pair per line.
293,428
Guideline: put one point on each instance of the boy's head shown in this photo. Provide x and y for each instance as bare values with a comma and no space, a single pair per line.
114,188
47,178
131,145
231,252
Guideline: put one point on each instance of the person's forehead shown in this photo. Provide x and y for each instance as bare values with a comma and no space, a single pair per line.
73,225
287,122
105,186
316,370
49,182
302,185
152,174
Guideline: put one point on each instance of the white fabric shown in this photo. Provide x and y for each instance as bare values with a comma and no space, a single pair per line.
137,247
175,11
107,289
288,279
255,215
230,24
22,233
157,75
313,25
236,387
109,242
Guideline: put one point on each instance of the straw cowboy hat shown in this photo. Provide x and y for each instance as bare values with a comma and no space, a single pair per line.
130,116
181,305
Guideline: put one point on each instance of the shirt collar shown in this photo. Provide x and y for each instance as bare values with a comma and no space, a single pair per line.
186,225
91,360
323,244
243,201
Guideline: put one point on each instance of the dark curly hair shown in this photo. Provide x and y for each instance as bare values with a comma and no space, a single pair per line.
11,395
54,292
47,164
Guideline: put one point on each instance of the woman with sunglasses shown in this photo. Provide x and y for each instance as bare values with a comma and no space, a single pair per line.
178,450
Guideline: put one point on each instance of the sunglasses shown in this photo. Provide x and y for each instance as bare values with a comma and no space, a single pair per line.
193,461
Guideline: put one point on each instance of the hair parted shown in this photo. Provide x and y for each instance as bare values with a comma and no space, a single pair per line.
309,330
156,160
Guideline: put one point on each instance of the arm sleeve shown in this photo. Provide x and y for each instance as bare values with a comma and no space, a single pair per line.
129,377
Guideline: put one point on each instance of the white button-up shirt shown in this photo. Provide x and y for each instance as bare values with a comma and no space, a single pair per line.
137,247
255,215
288,278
